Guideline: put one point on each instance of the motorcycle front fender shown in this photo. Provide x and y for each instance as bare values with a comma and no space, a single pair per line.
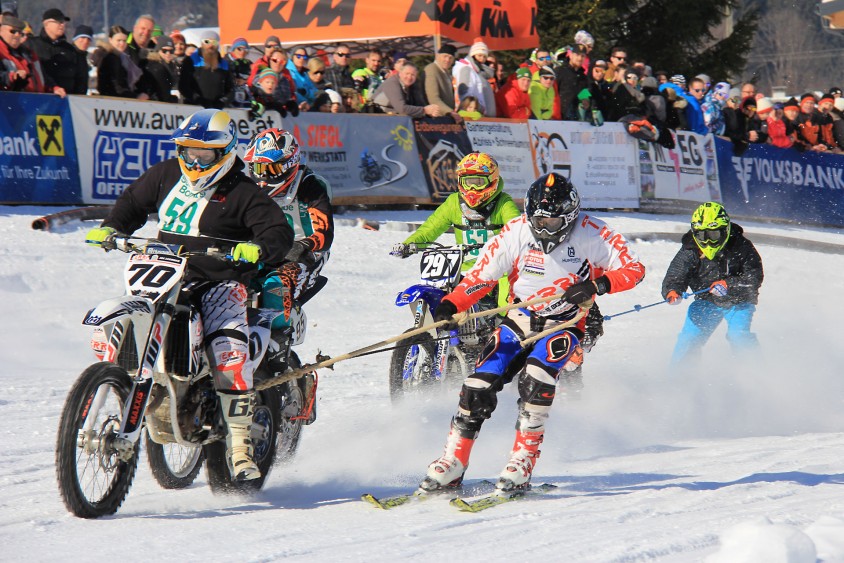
430,295
117,308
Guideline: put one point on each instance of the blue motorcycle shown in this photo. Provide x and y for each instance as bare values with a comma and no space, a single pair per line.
437,358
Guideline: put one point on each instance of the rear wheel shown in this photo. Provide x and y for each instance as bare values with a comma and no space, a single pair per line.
292,403
174,466
265,427
94,470
386,173
412,366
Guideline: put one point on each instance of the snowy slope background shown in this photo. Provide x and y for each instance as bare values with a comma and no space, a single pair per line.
733,463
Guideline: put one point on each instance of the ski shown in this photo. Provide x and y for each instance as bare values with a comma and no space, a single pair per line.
419,495
483,502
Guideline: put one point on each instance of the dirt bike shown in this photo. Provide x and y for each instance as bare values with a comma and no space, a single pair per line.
432,358
155,375
372,172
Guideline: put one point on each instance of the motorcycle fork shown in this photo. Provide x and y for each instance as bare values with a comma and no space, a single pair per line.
135,408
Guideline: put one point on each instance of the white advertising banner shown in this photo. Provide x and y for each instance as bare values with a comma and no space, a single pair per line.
509,143
118,140
689,171
600,161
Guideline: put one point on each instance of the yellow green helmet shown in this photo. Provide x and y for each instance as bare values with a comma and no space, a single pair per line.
711,228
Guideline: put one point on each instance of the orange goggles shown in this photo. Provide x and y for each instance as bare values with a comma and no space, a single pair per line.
267,169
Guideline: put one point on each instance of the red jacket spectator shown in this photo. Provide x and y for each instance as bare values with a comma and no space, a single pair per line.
513,100
20,70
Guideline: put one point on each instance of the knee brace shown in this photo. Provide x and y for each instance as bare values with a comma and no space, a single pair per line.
536,387
478,397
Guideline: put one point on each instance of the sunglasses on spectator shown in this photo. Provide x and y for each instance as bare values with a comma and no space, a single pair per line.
319,72
632,77
545,58
341,54
167,51
16,32
546,78
272,46
624,58
240,48
698,89
300,56
276,60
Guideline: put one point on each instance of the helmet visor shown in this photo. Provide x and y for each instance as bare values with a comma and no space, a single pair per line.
474,183
198,158
548,224
711,237
264,169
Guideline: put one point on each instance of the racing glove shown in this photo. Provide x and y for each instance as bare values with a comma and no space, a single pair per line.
719,288
246,252
296,252
400,250
445,312
99,235
583,291
673,298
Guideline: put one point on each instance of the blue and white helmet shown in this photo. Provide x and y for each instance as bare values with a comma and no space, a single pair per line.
205,144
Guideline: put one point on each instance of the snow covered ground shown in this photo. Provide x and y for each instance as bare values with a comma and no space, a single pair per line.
738,462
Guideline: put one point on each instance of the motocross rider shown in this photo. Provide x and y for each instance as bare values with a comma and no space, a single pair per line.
203,200
274,162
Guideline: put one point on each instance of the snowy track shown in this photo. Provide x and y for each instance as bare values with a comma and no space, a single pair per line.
650,466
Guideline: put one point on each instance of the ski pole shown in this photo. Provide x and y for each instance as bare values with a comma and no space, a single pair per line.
637,308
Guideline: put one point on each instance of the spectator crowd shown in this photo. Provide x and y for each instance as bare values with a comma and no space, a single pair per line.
567,84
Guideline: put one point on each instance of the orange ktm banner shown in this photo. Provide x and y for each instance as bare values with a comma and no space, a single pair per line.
503,24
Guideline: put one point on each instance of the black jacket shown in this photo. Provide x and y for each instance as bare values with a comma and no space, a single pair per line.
738,263
203,86
62,62
237,211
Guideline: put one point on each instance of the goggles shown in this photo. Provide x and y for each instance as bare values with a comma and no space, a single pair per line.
474,183
547,224
197,157
269,169
710,236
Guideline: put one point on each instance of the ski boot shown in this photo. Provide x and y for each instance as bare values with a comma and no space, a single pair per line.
517,472
237,412
447,471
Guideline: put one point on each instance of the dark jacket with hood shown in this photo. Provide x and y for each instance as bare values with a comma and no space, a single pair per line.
738,264
62,62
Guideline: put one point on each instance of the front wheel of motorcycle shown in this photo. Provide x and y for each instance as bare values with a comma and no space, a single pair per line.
265,427
93,477
174,466
412,366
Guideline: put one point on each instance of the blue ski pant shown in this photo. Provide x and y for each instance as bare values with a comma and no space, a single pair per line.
703,318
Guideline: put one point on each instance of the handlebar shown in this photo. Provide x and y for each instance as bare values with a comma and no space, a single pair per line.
122,242
415,248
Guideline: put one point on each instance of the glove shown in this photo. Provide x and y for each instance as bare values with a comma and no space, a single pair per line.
673,298
297,252
445,311
583,291
719,288
246,252
256,110
99,235
400,250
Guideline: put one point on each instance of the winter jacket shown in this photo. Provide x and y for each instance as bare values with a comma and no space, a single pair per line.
117,74
570,81
161,79
22,59
544,101
472,80
340,76
738,264
592,250
713,115
451,212
777,135
234,209
201,85
511,102
62,62
305,88
393,97
307,205
438,88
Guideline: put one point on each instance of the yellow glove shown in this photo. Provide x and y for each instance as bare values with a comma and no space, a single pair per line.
246,252
98,235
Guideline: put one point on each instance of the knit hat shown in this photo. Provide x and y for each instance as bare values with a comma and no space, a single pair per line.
448,49
266,73
478,48
705,78
649,82
157,31
735,95
749,101
723,88
240,42
177,36
808,95
791,103
83,31
272,40
826,98
547,71
679,80
334,96
601,63
210,35
764,105
583,37
523,72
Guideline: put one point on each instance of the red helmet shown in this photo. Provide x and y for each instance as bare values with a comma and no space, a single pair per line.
273,158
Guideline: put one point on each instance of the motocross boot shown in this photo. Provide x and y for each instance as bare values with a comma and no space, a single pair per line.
447,471
516,474
237,412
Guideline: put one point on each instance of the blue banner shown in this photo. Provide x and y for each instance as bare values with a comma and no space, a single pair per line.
37,150
769,182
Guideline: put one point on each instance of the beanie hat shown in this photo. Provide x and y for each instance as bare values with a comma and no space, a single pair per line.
546,71
240,42
82,31
448,49
478,48
764,105
649,82
210,35
265,73
806,96
826,98
705,78
792,103
679,80
523,72
735,95
272,40
176,35
334,96
583,37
